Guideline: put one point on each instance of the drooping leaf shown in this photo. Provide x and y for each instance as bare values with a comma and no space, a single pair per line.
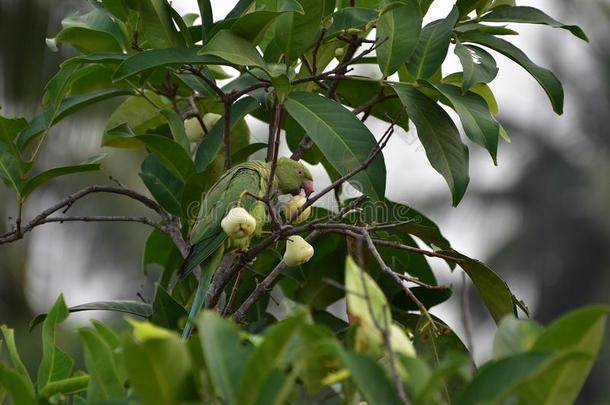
161,250
207,17
343,139
581,330
296,32
479,125
531,15
68,106
167,312
398,32
19,367
233,48
95,31
137,308
105,384
171,154
515,336
440,138
155,58
479,66
551,85
164,186
41,178
12,169
432,46
177,127
350,17
157,30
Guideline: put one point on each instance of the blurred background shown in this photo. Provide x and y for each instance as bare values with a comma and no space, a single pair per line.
540,218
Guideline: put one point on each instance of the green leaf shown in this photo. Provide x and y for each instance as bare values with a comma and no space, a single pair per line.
68,106
398,32
493,290
156,28
95,31
9,338
515,336
12,169
498,379
156,58
213,141
55,364
177,127
370,379
171,154
546,78
343,139
440,138
66,386
41,178
253,26
296,32
164,186
432,46
531,15
161,250
350,17
581,330
466,6
479,66
479,125
234,49
207,17
19,389
226,366
105,384
268,357
128,307
159,366
167,312
241,155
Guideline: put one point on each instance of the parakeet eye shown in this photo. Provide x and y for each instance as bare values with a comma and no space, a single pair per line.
300,172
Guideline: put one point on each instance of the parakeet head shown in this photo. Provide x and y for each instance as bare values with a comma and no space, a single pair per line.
293,176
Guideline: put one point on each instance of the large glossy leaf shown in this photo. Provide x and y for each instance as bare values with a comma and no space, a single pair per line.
164,186
157,30
440,138
546,78
234,49
68,106
350,17
41,178
479,66
498,379
159,366
55,364
581,330
296,32
531,15
398,31
171,154
136,308
155,58
105,384
479,125
432,46
343,139
95,31
213,141
225,366
370,379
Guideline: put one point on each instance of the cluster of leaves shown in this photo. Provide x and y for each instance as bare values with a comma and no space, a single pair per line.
294,62
308,357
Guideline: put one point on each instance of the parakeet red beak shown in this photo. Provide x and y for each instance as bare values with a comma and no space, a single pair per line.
308,187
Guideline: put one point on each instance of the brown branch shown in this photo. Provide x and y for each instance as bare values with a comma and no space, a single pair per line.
142,220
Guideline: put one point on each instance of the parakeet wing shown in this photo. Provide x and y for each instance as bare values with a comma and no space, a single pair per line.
229,191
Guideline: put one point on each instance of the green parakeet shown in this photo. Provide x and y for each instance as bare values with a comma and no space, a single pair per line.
208,240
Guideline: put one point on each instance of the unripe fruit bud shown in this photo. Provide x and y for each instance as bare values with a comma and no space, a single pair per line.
353,31
298,251
291,207
339,52
238,223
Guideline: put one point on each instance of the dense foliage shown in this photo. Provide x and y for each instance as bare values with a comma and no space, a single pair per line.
296,66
